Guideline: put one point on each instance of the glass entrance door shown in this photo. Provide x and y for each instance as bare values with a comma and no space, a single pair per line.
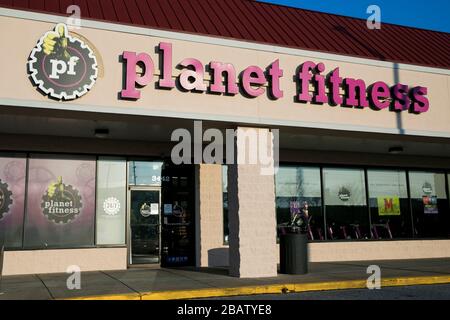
145,225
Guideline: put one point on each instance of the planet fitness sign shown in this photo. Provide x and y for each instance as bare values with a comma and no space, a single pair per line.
252,81
64,67
61,65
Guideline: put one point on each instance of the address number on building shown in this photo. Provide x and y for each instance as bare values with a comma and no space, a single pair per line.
160,179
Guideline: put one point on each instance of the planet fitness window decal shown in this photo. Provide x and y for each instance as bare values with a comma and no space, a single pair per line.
62,66
12,198
60,201
5,198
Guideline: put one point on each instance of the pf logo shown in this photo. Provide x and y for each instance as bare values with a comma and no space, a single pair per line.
62,66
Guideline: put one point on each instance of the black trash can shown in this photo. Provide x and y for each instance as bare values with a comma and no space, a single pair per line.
294,253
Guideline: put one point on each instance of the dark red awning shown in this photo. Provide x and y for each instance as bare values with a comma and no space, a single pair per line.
264,23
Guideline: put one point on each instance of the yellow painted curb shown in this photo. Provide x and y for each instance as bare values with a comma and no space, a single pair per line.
269,289
332,285
127,296
409,281
218,292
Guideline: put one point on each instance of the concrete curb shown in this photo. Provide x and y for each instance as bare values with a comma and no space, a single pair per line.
268,289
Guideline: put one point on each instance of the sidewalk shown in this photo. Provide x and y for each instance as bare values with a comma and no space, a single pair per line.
164,283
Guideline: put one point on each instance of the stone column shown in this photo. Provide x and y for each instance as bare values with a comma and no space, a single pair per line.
209,229
251,205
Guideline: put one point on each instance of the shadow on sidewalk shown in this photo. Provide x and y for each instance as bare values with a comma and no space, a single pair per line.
223,271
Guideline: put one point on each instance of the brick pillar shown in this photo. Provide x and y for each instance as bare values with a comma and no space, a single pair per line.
252,220
209,228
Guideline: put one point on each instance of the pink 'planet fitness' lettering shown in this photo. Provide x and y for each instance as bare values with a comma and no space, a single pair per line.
253,82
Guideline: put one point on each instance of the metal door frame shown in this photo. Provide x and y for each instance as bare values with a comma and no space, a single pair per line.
141,188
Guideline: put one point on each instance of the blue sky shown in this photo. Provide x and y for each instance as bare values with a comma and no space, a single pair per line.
425,14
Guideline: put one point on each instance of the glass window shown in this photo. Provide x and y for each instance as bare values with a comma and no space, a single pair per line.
60,202
430,207
111,201
145,173
346,212
12,199
389,204
225,202
294,187
178,230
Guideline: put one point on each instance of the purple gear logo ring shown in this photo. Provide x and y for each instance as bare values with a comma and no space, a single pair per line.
5,198
67,87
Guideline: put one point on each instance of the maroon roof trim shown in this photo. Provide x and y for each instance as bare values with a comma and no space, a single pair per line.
266,23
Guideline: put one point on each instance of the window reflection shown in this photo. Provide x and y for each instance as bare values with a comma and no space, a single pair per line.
346,211
145,173
389,204
295,187
111,201
12,199
391,208
429,203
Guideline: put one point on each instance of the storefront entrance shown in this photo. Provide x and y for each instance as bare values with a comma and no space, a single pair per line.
161,213
145,226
